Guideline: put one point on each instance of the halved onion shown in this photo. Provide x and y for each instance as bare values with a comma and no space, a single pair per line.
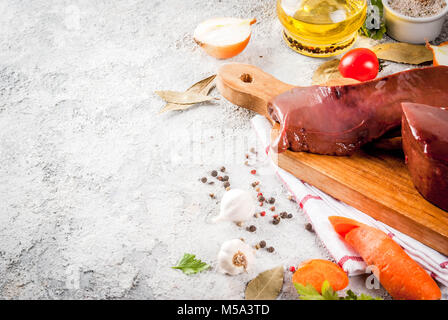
223,38
440,53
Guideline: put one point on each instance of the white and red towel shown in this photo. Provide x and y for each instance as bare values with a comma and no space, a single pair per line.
318,206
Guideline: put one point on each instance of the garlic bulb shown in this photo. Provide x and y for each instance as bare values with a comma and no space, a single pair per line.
236,205
235,257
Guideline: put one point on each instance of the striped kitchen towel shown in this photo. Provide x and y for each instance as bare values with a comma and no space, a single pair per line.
318,206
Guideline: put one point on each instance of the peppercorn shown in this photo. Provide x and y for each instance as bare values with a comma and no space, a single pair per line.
260,198
226,184
223,169
263,213
309,227
262,244
271,200
272,208
276,220
253,171
219,178
203,179
289,215
225,178
270,249
284,215
212,195
211,182
214,173
252,228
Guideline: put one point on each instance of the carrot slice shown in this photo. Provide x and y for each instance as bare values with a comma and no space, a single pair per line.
316,271
401,276
343,225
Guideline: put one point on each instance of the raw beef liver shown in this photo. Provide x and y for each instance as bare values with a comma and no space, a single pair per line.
425,144
338,120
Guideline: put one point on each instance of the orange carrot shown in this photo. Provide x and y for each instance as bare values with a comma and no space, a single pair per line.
343,225
401,276
316,271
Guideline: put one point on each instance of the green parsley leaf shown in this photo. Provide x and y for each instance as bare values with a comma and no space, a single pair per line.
327,291
308,292
367,297
189,265
350,295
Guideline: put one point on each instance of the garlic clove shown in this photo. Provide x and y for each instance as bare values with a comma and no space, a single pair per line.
235,257
236,205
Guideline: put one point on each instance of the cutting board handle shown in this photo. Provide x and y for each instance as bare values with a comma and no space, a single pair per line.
248,86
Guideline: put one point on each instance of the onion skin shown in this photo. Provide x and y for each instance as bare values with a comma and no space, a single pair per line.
226,51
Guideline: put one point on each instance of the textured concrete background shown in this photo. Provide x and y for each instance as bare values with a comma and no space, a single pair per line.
99,195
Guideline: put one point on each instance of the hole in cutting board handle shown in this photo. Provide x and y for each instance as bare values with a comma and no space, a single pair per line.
247,78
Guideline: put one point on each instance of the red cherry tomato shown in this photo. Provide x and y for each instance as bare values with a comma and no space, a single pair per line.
360,64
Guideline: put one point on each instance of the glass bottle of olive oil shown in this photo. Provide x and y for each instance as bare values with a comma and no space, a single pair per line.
321,28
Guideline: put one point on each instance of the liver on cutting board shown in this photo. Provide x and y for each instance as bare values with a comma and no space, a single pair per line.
425,144
338,120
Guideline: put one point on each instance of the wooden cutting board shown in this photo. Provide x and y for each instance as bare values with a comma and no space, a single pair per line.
375,180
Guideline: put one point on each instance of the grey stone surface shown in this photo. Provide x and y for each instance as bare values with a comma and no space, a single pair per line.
99,195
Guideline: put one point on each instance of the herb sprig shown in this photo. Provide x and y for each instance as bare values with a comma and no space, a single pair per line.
189,265
308,292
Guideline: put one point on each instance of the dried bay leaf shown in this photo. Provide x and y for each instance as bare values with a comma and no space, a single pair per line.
201,87
327,71
327,74
266,286
187,97
204,86
403,53
175,107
